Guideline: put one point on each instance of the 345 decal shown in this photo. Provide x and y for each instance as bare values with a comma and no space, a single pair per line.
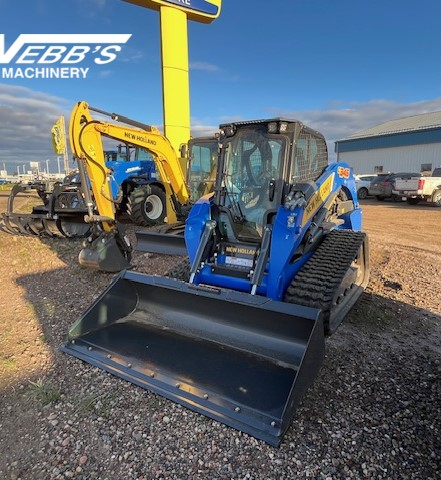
343,172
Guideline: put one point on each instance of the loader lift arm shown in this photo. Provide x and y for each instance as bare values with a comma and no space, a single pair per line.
86,137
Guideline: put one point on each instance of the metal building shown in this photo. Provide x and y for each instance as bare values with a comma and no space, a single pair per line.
410,144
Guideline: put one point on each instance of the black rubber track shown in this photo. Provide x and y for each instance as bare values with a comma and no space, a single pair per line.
317,282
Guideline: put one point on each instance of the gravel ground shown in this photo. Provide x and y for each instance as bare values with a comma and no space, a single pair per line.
373,411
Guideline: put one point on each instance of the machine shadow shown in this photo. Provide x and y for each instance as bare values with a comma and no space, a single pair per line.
61,296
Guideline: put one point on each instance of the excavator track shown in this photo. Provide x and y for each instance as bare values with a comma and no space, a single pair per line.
334,278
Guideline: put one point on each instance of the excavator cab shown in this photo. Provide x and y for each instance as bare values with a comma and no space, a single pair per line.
276,260
201,154
202,166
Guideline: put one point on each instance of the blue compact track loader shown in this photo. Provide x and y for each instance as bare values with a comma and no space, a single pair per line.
276,259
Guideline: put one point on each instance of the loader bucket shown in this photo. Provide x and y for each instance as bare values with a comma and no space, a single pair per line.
241,359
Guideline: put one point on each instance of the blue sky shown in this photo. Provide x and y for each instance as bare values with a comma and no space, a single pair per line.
338,65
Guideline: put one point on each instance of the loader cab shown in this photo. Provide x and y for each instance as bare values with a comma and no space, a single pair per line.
253,163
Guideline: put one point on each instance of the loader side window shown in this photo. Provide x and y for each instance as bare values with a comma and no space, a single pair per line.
310,157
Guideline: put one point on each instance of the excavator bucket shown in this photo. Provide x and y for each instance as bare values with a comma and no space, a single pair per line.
241,359
104,253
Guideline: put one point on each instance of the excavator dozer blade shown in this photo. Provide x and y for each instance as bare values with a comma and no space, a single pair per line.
165,243
241,359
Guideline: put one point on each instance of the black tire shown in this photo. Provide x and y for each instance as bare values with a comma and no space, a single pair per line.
413,201
147,206
380,198
362,193
436,198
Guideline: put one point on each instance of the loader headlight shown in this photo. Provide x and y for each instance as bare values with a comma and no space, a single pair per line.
277,127
210,224
283,127
272,127
229,130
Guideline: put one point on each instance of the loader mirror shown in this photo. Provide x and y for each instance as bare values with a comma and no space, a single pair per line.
204,11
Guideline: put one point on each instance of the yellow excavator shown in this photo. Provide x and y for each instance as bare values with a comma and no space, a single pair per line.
108,248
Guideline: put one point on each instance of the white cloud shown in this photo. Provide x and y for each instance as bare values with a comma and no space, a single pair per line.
341,119
203,130
204,66
26,119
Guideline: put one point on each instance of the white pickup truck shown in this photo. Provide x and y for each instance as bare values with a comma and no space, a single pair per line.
416,189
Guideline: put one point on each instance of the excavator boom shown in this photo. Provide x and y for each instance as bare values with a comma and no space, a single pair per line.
86,139
86,136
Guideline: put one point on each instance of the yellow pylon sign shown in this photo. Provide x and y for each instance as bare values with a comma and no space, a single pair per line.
174,58
204,11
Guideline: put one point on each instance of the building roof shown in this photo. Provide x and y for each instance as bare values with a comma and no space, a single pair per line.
424,121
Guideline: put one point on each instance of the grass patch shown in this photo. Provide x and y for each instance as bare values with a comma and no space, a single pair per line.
7,364
99,404
88,403
44,392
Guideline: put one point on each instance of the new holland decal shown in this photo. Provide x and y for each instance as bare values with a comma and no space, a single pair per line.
317,199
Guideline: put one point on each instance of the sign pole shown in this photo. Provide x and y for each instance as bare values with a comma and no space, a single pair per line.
175,76
174,15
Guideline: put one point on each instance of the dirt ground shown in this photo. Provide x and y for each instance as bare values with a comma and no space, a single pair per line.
45,290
